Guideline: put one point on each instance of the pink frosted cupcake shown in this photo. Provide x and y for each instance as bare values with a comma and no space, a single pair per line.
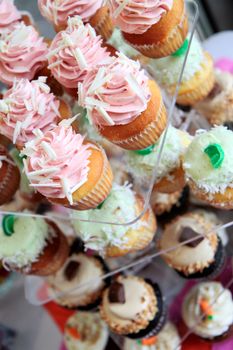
23,53
74,51
93,11
67,169
8,14
125,106
28,106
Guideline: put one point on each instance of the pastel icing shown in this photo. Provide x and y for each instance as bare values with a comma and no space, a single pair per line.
91,332
22,53
167,70
58,11
118,207
57,162
115,94
221,303
25,107
27,242
8,14
142,166
198,166
74,51
136,16
167,339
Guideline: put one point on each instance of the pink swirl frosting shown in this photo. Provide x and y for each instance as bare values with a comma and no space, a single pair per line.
25,107
57,162
8,13
74,51
115,94
58,11
22,53
137,16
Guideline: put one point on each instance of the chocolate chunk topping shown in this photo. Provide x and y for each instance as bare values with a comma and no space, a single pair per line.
116,293
187,234
71,270
215,91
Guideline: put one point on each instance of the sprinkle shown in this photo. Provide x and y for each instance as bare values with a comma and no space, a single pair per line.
52,185
4,107
80,94
105,115
44,87
80,58
67,39
43,171
27,105
98,81
38,133
66,188
135,86
17,131
91,31
75,188
75,21
66,123
48,149
120,8
95,103
55,64
42,107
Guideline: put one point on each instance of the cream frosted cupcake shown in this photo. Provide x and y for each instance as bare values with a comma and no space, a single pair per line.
169,174
208,311
28,106
67,169
21,44
79,283
133,307
167,339
198,76
121,206
208,164
31,245
74,51
217,107
85,331
198,252
124,105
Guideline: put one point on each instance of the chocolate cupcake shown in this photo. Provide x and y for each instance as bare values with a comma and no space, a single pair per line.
133,307
192,247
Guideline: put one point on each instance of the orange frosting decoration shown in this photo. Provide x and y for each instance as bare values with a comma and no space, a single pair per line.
74,333
150,341
205,307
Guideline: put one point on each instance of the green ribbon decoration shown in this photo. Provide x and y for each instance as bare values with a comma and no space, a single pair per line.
215,154
145,151
210,317
182,50
8,224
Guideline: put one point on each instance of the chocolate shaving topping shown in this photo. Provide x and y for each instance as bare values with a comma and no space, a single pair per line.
71,270
187,234
215,91
116,293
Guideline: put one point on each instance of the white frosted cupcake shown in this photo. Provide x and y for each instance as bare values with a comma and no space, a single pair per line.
121,206
169,174
85,331
167,339
208,310
208,165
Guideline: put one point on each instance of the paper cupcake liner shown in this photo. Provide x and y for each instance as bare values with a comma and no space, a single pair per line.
102,23
51,260
149,135
100,191
168,46
218,200
175,181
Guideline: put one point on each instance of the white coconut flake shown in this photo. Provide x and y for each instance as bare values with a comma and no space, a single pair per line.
52,185
105,116
80,94
17,131
43,171
49,150
80,58
4,107
75,188
66,123
67,191
55,64
132,81
92,102
98,81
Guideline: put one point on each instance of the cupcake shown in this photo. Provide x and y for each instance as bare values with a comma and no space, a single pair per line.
31,245
79,283
9,176
208,311
208,164
21,44
85,330
28,106
121,206
167,339
169,174
123,104
162,203
155,28
217,107
192,247
198,76
73,52
67,169
9,14
133,307
90,11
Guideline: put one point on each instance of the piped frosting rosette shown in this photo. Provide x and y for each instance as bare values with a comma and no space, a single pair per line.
22,53
74,51
25,107
8,14
66,169
115,95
